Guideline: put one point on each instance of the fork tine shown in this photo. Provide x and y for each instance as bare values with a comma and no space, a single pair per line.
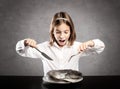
73,56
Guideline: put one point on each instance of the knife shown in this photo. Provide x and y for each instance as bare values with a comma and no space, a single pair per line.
45,55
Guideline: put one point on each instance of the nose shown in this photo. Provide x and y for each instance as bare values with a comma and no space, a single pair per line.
61,35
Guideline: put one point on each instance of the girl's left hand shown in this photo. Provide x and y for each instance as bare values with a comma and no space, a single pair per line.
86,45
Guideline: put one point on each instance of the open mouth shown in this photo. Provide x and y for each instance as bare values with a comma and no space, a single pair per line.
61,40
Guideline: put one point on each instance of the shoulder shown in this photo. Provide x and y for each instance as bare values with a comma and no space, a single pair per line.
43,46
76,43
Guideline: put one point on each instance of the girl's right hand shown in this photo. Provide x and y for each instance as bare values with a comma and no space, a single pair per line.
30,42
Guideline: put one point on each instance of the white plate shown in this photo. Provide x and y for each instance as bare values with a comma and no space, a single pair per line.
47,80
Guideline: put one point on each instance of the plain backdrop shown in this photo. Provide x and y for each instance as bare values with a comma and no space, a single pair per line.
20,19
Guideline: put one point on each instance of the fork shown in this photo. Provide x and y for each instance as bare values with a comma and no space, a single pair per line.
73,56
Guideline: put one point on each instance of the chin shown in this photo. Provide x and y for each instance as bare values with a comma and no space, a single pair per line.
61,45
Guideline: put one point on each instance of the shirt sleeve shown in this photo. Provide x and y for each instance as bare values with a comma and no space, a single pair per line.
20,48
97,49
26,51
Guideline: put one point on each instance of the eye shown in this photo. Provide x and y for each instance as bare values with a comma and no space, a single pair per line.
66,32
58,32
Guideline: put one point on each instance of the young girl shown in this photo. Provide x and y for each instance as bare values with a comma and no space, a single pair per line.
61,46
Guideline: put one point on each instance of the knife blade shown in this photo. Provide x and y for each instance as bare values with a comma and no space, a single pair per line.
45,55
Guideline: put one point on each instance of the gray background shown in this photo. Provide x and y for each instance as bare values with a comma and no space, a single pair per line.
21,19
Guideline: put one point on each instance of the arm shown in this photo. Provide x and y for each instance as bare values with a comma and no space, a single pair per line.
95,46
26,48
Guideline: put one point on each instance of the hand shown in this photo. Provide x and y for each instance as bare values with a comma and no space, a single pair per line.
30,42
86,45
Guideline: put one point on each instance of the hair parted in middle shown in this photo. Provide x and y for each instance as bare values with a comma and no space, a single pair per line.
58,19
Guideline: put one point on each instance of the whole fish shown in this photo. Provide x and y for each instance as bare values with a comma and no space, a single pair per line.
66,75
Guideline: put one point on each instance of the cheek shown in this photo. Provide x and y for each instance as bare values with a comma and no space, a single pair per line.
56,36
68,36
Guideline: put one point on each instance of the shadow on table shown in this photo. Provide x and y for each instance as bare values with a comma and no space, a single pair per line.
61,86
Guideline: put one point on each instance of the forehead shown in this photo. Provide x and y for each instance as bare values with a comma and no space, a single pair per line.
62,26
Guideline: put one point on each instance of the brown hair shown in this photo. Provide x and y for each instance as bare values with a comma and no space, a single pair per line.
58,19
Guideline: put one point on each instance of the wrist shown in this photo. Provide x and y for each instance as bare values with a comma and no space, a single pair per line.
25,43
91,43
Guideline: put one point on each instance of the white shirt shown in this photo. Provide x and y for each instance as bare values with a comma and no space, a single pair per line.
59,55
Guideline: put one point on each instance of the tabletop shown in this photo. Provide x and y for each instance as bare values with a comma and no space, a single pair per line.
36,82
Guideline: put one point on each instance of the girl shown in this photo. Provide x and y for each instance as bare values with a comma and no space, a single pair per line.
61,46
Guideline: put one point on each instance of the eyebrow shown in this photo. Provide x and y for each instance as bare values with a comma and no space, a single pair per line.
59,30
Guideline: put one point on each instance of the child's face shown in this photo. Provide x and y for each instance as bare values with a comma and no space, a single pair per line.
62,34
